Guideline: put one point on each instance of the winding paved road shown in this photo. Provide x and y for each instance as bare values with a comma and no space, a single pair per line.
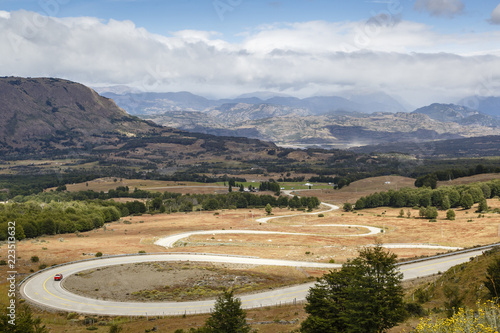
41,289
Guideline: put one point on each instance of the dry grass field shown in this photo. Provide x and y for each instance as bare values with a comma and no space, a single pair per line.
138,233
472,179
359,189
106,184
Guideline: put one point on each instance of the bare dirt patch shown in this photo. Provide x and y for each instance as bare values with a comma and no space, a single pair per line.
172,281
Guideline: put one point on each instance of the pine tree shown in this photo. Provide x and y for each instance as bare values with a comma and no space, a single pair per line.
228,316
364,296
268,209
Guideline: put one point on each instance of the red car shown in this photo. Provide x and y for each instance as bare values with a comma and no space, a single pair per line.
58,277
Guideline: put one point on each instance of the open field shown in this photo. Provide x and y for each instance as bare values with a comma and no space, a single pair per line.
109,183
138,233
359,189
472,179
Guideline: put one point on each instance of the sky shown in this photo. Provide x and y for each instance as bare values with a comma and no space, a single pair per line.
422,51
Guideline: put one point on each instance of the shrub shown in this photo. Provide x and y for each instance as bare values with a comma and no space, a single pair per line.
35,259
465,320
42,266
321,215
98,254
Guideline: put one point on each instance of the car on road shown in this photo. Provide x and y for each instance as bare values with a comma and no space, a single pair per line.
58,277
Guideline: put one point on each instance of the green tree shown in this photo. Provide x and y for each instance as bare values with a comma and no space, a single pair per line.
114,328
268,209
364,296
450,214
228,316
347,207
24,323
466,201
431,213
422,212
210,204
483,206
492,281
445,203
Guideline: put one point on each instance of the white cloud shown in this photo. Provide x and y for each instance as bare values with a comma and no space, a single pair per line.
495,15
302,59
448,8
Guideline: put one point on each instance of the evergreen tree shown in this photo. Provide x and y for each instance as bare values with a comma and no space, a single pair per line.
364,296
450,214
483,206
347,207
228,316
269,209
24,323
445,204
466,201
492,281
431,213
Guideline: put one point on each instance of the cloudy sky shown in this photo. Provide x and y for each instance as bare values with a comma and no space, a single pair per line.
421,50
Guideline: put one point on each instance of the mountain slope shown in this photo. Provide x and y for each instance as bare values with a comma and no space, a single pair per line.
297,129
47,117
38,111
488,105
458,114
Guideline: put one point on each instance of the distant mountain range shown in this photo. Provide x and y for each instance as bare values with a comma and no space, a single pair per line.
55,116
297,127
355,119
153,103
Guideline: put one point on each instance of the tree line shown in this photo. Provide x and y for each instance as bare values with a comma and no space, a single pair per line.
444,197
59,212
431,179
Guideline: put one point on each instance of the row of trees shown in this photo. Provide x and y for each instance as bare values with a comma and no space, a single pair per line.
445,197
34,219
270,186
431,179
52,213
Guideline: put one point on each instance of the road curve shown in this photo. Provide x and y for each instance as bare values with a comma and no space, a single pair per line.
41,289
169,241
